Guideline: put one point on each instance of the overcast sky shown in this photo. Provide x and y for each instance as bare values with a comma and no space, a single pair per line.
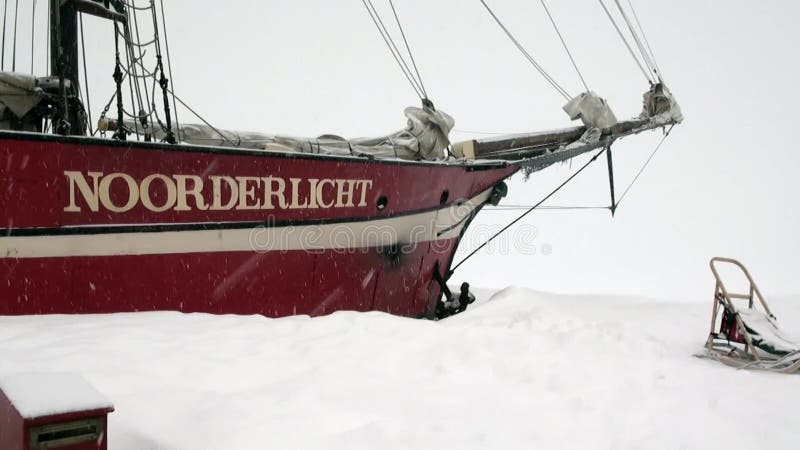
723,184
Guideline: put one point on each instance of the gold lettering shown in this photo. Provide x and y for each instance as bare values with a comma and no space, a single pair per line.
216,182
321,192
364,185
296,195
105,192
312,193
247,192
277,192
144,192
185,192
90,194
344,196
196,191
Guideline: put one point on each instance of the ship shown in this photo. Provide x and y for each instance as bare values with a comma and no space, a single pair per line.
141,213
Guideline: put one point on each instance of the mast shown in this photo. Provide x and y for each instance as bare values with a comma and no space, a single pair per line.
64,41
64,60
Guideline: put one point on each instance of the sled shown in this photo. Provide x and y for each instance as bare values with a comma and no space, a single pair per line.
746,335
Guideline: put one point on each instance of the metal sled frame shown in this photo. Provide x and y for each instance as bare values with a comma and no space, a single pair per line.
719,347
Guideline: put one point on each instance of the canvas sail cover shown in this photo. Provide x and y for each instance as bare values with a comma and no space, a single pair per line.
593,111
424,138
19,94
660,105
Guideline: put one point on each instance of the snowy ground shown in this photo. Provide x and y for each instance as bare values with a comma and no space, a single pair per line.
521,370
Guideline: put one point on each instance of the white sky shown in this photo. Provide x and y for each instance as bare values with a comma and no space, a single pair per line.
723,184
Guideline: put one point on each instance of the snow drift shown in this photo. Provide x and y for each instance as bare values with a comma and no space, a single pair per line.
521,370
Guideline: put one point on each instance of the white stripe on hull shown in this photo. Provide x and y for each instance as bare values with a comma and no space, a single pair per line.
442,224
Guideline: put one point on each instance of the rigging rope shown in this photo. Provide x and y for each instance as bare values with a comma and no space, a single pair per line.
5,13
387,38
47,45
625,41
163,81
408,48
527,55
202,119
130,68
644,36
33,34
543,207
169,65
142,82
14,54
86,76
564,43
531,209
139,47
663,139
645,56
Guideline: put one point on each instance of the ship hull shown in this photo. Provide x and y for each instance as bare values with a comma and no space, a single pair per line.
92,226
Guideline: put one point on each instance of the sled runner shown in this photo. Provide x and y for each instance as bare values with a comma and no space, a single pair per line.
746,336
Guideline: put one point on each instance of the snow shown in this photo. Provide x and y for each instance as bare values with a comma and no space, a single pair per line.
767,330
44,394
522,369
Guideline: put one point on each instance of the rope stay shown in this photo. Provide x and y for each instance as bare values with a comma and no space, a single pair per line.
527,55
564,43
530,210
33,34
646,41
169,64
47,43
86,76
142,81
396,54
14,46
645,56
5,14
540,205
644,166
625,41
222,135
546,208
408,48
135,72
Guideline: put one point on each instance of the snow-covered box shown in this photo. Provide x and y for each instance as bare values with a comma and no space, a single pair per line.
52,411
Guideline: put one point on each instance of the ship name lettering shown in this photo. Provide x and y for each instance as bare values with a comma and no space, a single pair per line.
120,192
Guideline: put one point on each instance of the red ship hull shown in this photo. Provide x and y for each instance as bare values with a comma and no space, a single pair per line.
93,226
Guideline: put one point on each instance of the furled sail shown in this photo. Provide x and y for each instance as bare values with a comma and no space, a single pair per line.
19,94
25,100
424,138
